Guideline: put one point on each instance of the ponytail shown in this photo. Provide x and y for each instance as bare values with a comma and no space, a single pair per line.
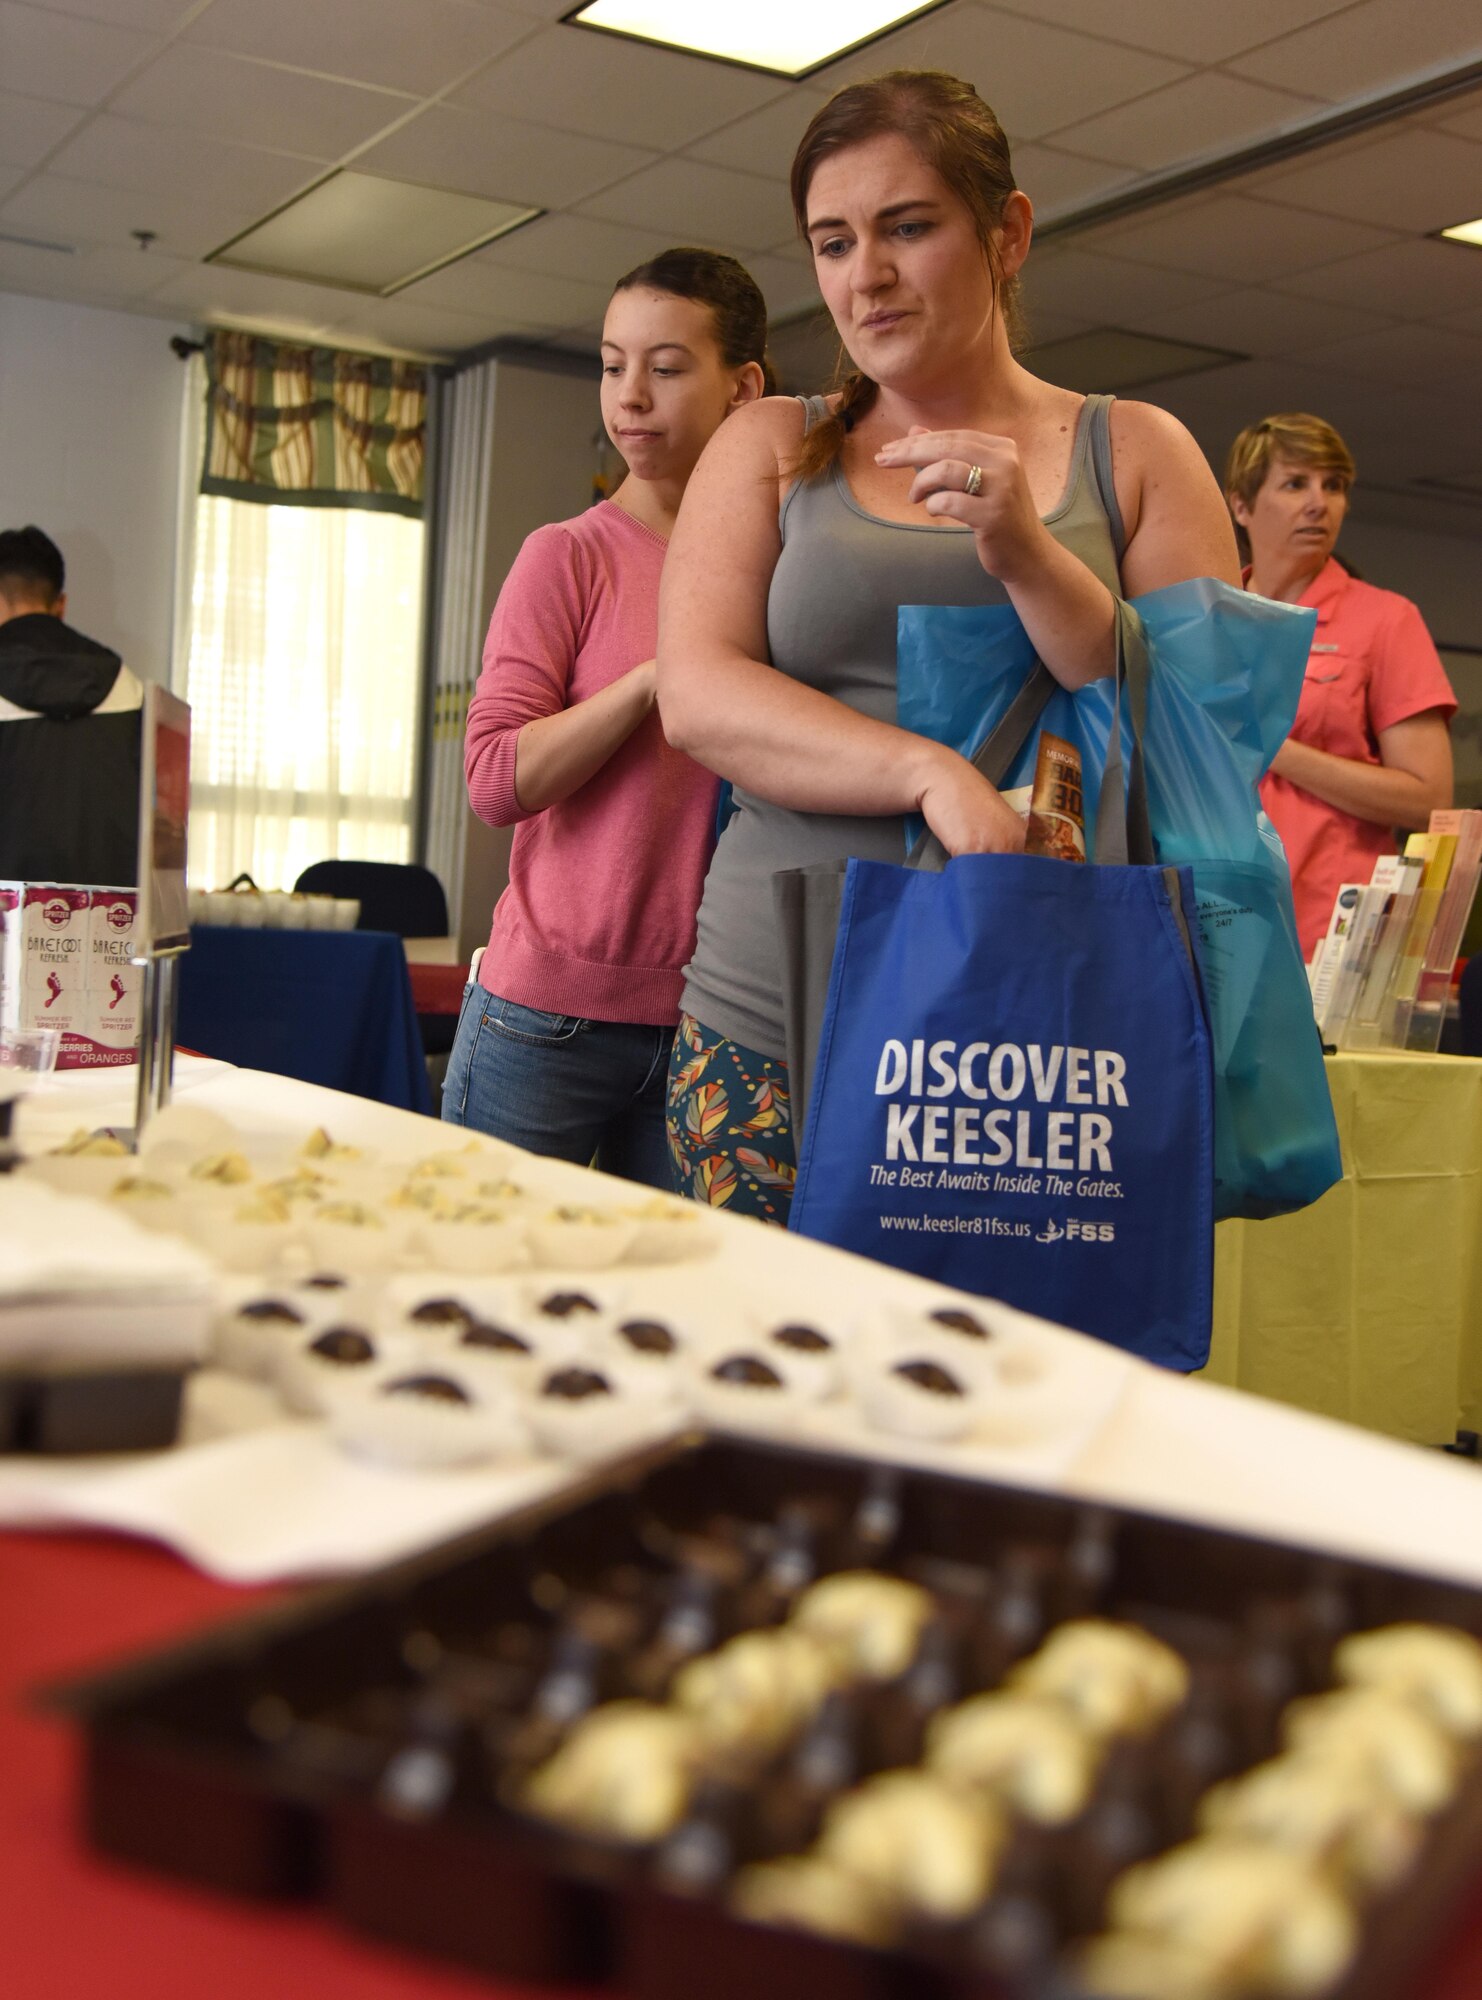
823,443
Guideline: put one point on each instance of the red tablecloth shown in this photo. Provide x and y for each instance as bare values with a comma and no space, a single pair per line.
76,1928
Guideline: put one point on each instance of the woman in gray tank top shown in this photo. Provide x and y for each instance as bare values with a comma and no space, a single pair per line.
943,473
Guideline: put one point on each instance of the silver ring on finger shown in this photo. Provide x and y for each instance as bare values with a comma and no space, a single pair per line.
974,484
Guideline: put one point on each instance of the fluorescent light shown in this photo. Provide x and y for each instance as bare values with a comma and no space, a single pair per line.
1465,232
367,234
787,37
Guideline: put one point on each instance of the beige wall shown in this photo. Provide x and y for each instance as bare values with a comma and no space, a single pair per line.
90,408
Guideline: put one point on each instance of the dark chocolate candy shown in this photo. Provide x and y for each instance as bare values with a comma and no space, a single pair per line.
345,1344
435,1388
960,1322
276,1310
648,1336
803,1339
484,1333
931,1376
748,1370
561,1305
441,1312
574,1385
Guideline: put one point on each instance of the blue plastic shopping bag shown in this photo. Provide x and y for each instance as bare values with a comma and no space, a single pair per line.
1032,1121
1225,677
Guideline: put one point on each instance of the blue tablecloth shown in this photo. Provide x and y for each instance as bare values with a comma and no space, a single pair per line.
331,1007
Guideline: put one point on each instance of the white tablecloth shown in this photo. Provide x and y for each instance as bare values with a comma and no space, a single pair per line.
1151,1440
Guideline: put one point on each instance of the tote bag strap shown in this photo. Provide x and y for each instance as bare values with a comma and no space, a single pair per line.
1119,836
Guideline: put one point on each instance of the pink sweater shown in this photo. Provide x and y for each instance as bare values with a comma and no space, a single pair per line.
599,916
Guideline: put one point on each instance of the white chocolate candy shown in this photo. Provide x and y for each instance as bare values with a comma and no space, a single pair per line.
1436,1667
1393,1747
624,1772
808,1893
1325,1813
912,1837
1251,1914
1027,1750
757,1691
873,1623
1118,1679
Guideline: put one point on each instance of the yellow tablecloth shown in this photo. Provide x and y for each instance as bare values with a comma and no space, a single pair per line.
1368,1305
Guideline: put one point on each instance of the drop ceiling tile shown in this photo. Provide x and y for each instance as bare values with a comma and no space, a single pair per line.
499,157
577,246
148,159
1196,34
1467,321
1231,233
609,88
1424,279
1187,120
193,89
764,141
105,277
1106,290
217,291
1037,77
1056,180
30,127
43,54
154,17
1413,180
416,45
1439,357
474,285
1261,323
412,329
788,288
1463,116
699,203
84,213
1373,47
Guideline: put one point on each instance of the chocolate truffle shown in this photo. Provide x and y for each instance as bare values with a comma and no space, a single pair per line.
344,1344
435,1388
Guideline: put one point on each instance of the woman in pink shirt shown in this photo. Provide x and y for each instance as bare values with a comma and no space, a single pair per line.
1370,749
563,1042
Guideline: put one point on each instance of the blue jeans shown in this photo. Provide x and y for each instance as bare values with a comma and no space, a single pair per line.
587,1091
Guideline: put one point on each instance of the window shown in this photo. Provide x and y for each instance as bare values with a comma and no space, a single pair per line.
303,676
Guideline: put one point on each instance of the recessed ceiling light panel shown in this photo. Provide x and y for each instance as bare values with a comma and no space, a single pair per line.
786,37
1464,232
368,234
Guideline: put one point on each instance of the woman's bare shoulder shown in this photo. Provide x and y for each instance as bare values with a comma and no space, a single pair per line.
1148,436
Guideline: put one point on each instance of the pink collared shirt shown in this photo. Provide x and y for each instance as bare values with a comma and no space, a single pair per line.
1372,664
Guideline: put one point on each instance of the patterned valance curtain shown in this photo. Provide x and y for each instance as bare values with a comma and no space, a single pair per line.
313,427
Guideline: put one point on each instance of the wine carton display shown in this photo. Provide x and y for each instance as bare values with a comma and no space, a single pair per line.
65,963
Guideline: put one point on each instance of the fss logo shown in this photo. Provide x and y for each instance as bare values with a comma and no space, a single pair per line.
1091,1232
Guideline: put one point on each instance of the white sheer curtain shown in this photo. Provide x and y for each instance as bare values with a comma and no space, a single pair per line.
303,684
463,471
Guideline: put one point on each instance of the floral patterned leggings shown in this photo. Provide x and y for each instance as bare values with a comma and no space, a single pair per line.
729,1123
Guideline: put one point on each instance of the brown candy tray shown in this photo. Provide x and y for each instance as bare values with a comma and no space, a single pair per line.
363,1745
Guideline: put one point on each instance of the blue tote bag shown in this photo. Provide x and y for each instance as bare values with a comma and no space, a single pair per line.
1012,1089
1225,676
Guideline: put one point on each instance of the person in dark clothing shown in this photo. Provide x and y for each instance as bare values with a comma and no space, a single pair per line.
69,732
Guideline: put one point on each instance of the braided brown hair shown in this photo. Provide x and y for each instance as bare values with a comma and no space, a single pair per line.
954,132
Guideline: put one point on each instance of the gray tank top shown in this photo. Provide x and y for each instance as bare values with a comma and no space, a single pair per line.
831,622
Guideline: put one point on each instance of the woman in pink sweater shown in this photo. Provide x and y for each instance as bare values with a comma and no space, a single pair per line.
563,1042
